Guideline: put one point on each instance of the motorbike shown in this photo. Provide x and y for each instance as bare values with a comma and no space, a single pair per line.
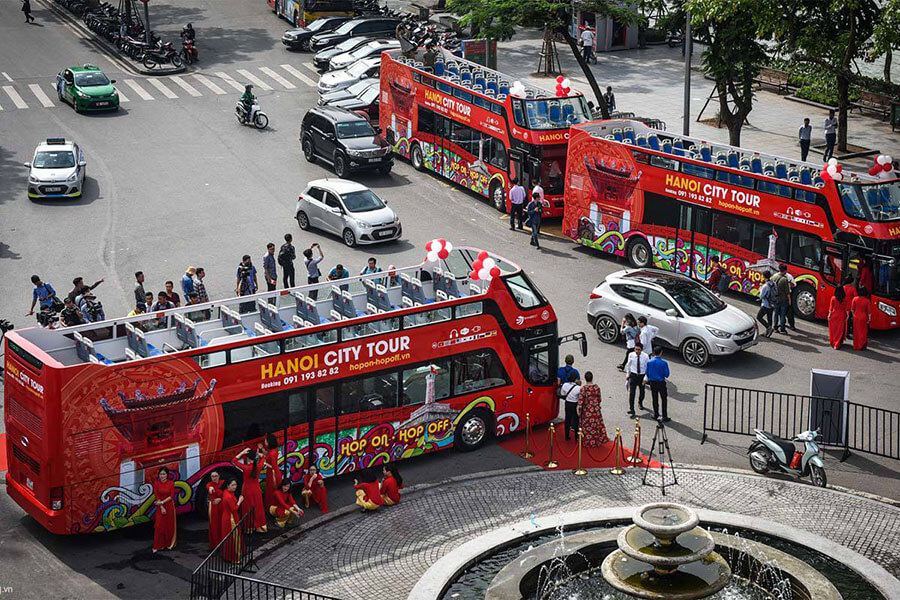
771,453
255,117
189,51
161,55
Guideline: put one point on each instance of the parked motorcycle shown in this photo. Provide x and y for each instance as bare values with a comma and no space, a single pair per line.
189,51
256,117
771,453
162,55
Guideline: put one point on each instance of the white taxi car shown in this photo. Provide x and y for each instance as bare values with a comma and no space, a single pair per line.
57,170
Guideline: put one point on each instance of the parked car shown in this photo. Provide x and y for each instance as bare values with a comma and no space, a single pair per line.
322,58
363,102
348,209
348,92
361,70
371,49
690,318
299,37
371,27
344,139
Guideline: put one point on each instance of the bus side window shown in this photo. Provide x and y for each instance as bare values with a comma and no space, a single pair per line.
297,408
805,251
251,418
414,382
539,372
426,121
325,402
666,163
477,370
376,392
209,360
761,233
495,152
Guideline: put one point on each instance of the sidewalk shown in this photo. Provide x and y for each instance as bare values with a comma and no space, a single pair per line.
650,83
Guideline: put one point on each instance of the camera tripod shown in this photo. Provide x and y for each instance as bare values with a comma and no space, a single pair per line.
661,444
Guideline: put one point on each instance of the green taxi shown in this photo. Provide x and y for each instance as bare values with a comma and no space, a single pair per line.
87,88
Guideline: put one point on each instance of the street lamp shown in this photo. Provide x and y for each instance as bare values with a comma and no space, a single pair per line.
687,75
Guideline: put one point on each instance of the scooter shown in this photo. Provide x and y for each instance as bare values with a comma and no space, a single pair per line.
771,453
256,117
189,51
162,55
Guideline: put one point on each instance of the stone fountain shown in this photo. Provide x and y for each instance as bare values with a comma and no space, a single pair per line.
664,554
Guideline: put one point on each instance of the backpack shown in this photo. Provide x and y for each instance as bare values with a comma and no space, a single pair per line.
284,256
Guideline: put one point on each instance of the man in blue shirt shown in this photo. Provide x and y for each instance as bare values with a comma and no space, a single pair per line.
563,373
657,371
43,293
269,270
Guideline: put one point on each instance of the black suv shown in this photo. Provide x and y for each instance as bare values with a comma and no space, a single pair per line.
382,27
344,139
299,38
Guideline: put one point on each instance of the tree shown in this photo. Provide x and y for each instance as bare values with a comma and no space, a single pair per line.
887,36
831,34
499,19
733,54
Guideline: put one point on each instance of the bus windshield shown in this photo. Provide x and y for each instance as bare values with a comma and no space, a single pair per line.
556,113
872,202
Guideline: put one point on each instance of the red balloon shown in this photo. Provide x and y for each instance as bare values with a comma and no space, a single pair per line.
560,79
567,90
887,167
442,241
443,254
495,272
839,168
874,170
473,275
483,255
477,265
428,246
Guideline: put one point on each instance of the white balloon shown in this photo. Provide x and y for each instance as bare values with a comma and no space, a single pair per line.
448,247
880,159
489,263
484,274
832,161
887,159
565,82
433,256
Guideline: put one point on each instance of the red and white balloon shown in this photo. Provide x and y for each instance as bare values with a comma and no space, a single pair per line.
883,167
437,249
484,268
833,170
517,90
562,86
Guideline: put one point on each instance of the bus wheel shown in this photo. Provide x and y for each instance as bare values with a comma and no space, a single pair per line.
638,253
472,431
805,301
498,197
415,155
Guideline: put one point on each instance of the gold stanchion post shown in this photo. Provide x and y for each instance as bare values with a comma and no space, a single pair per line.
579,470
617,450
635,458
551,464
527,453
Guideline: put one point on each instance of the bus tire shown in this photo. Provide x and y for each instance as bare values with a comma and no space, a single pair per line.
804,301
416,158
638,253
473,430
498,197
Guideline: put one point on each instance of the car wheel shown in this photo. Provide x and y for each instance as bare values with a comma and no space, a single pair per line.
473,431
308,151
349,238
304,45
804,299
302,220
385,169
498,197
415,156
695,352
607,329
340,166
638,253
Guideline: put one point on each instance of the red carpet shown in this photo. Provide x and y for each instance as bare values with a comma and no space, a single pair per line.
566,453
2,451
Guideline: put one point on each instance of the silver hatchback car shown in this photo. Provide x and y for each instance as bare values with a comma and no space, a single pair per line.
690,318
348,209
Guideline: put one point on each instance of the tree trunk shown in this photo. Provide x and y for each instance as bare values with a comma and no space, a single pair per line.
734,122
843,93
586,69
888,59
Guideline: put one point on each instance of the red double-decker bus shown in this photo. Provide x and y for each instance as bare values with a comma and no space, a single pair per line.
457,118
377,369
672,202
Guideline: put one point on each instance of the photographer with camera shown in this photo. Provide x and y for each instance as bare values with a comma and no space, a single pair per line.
44,294
91,307
71,315
246,284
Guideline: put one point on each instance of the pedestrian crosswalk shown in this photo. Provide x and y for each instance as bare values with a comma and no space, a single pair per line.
15,95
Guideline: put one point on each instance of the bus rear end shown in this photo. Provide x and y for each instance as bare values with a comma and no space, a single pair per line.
31,416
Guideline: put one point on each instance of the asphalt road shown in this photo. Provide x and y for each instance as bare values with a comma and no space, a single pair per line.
173,181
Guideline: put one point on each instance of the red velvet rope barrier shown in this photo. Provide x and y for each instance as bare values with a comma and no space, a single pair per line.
534,443
574,450
608,454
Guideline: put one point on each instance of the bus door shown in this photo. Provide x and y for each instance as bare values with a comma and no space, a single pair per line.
322,427
834,263
692,241
367,404
517,169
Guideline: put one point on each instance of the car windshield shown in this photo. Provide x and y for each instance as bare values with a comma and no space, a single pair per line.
347,45
361,86
694,299
346,27
317,24
368,95
359,67
59,159
364,50
872,202
557,113
89,79
361,201
355,129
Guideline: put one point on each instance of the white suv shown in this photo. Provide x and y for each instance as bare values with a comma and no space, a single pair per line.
348,209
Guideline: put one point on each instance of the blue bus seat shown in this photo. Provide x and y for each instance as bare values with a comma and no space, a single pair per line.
756,164
706,153
642,141
653,140
781,170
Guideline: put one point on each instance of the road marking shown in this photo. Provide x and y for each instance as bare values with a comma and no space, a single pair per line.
216,89
185,86
7,77
14,96
165,91
311,67
138,89
122,97
299,75
254,79
41,96
227,79
278,78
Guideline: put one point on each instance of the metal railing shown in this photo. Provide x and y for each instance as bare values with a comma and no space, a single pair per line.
247,588
842,424
228,559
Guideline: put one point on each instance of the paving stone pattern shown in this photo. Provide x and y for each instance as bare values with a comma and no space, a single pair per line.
382,555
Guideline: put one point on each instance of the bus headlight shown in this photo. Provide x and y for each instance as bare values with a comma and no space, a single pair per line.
887,309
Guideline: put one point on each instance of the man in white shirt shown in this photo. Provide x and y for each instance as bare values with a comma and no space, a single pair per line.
635,371
570,392
538,191
831,125
517,205
587,43
648,332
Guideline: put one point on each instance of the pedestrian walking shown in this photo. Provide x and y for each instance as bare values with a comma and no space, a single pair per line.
171,295
187,281
371,267
647,335
273,473
252,465
90,307
230,515
866,274
766,303
610,99
569,392
849,286
148,300
139,294
657,372
246,284
26,8
805,134
861,307
831,125
79,288
339,272
139,309
517,202
538,190
164,524
44,294
270,271
716,281
312,267
782,298
837,318
565,372
587,43
628,328
590,417
791,318
286,257
199,286
635,371
534,211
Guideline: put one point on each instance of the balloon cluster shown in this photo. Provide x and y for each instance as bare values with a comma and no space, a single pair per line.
562,86
484,268
832,170
883,167
438,249
517,89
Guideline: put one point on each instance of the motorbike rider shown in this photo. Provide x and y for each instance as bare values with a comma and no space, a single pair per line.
188,33
247,99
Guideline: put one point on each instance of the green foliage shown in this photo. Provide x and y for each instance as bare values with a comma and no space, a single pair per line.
813,83
887,30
